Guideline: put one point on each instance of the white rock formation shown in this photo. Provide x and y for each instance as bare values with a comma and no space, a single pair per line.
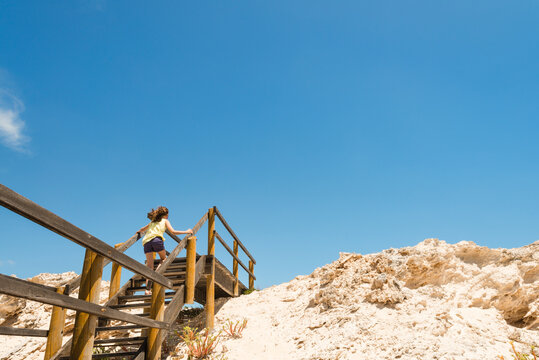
430,301
23,313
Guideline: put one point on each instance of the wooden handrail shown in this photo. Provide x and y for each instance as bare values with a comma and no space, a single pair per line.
32,211
181,245
223,221
232,253
75,283
31,291
6,330
195,228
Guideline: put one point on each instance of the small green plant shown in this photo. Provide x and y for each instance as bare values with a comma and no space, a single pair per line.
248,291
521,356
188,334
234,328
200,345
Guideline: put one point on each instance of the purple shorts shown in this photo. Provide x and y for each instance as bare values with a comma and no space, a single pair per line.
154,245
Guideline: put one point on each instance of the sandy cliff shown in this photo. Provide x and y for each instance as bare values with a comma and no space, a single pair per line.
430,301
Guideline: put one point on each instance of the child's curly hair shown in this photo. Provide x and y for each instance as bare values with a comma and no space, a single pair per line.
157,214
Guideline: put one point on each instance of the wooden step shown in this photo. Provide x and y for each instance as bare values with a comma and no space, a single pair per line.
142,297
174,273
175,285
133,305
119,327
123,341
124,354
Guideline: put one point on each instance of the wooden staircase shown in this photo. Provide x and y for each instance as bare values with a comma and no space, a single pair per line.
130,325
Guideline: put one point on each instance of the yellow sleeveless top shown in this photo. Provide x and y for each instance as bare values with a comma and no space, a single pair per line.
156,229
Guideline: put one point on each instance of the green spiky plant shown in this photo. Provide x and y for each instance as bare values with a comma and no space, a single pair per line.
200,345
234,328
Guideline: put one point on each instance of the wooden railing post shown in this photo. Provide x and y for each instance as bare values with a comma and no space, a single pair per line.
115,276
235,270
210,278
56,329
145,332
85,324
251,279
190,269
157,312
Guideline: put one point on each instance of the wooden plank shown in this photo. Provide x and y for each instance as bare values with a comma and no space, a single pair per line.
85,324
175,306
220,216
224,279
6,330
142,297
233,255
28,290
32,211
56,329
157,312
251,277
75,283
172,311
118,328
123,355
199,268
120,340
115,276
136,305
195,228
170,259
235,270
190,270
210,277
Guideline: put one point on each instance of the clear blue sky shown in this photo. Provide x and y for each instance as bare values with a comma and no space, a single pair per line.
316,127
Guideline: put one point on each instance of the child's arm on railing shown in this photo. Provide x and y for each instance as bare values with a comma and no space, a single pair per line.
142,229
177,232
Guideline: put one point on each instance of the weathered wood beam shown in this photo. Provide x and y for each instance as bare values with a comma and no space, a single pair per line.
210,278
28,290
195,228
85,324
236,258
157,312
75,283
115,276
171,257
56,328
32,211
199,268
220,216
190,262
251,277
175,306
6,330
235,270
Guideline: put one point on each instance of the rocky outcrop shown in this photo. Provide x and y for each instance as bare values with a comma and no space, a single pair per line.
430,301
22,313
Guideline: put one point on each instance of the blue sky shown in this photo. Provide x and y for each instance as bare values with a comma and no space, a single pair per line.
316,127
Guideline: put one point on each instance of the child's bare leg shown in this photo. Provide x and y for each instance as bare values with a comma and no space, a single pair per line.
149,263
162,254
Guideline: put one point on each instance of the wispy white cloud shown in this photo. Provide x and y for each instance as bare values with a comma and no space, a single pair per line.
7,262
11,125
